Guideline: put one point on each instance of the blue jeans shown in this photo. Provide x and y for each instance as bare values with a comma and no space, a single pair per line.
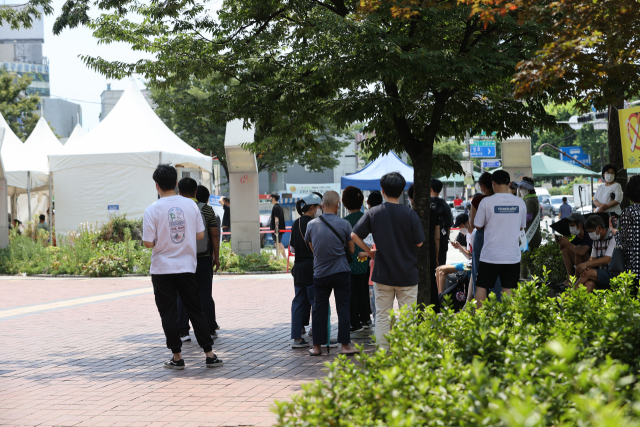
299,309
478,243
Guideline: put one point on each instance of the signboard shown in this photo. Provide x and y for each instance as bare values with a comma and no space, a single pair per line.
302,190
630,136
578,154
483,151
516,157
490,163
214,200
113,210
467,167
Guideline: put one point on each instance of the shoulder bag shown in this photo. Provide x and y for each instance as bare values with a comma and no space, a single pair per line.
344,243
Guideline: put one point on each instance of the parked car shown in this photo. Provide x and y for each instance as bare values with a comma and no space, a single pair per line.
550,206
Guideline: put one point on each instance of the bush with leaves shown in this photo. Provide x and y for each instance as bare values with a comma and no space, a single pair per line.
548,256
529,361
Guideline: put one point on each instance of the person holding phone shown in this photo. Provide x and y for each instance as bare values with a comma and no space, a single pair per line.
575,251
462,221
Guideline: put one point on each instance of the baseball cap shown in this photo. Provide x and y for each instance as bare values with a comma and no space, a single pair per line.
501,177
576,217
460,220
312,199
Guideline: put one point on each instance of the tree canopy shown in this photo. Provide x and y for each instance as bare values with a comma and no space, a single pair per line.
18,109
437,75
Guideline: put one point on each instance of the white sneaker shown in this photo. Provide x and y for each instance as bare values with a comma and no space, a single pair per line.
186,338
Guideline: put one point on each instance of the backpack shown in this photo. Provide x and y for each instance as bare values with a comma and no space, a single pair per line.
202,246
457,286
444,212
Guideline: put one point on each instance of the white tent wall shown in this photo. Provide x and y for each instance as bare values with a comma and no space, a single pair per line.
130,187
39,205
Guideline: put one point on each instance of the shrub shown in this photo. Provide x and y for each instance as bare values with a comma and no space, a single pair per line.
546,256
114,230
529,361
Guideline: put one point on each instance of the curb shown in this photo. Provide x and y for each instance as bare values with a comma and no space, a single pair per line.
245,273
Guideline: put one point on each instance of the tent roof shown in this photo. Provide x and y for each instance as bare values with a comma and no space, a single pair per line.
77,133
368,178
40,144
17,160
131,134
543,165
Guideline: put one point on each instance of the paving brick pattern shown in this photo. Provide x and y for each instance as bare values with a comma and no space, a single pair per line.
99,364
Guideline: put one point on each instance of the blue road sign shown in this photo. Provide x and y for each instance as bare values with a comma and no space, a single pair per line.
490,163
577,153
483,151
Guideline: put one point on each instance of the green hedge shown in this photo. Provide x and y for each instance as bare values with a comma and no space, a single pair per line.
530,361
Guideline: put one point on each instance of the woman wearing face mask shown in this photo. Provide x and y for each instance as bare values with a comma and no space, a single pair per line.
527,191
628,234
608,196
485,186
308,209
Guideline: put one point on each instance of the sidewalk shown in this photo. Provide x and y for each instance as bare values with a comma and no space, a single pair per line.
89,352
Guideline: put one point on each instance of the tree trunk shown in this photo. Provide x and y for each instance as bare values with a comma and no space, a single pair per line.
422,166
615,146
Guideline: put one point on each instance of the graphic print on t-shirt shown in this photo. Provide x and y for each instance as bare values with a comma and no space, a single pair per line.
176,225
506,209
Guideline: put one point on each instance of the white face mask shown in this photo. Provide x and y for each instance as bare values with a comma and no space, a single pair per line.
318,212
608,177
478,189
523,192
594,235
574,231
464,231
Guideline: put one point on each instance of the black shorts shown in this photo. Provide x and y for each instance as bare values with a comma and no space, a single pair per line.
488,274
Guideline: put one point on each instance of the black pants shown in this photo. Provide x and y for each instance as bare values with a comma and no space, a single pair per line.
166,288
359,299
204,278
300,307
340,283
488,273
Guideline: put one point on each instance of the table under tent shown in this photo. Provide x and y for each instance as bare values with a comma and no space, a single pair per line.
27,169
109,170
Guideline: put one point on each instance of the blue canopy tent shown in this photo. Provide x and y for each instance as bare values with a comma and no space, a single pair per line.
368,178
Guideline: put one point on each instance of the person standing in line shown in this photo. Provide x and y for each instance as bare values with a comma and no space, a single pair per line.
443,210
42,225
374,199
302,270
504,218
226,218
277,222
565,209
628,233
398,233
609,196
206,261
527,191
329,236
171,226
353,199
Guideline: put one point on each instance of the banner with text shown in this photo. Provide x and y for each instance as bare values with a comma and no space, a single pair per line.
630,136
301,190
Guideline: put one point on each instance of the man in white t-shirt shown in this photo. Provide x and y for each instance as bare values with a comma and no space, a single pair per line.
171,227
502,216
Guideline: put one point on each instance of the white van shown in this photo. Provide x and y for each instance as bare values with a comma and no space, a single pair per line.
540,191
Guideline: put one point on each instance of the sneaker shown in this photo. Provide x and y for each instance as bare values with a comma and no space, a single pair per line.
300,344
172,364
370,343
213,362
309,332
185,338
214,335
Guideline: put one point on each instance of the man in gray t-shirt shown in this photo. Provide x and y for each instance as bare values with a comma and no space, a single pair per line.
327,237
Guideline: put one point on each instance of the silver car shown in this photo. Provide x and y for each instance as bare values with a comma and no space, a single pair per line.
556,202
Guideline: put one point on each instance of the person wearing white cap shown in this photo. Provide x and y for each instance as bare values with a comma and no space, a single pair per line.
527,191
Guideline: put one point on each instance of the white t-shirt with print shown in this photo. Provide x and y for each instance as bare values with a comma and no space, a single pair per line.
603,195
502,215
172,223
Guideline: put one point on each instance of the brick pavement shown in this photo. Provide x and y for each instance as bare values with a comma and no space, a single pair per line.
99,363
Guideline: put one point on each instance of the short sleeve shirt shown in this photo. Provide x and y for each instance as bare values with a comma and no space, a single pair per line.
211,222
603,195
565,210
357,267
277,212
502,215
397,230
603,248
328,252
172,224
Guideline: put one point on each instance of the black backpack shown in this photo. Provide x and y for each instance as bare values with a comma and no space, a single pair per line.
457,286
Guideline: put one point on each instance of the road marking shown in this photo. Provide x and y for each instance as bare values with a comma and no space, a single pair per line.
37,308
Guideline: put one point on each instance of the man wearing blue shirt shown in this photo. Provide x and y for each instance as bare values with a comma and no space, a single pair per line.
565,209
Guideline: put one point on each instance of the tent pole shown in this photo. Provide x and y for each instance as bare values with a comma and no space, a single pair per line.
591,195
29,193
50,208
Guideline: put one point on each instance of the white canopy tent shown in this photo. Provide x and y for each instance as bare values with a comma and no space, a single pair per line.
26,170
111,170
75,136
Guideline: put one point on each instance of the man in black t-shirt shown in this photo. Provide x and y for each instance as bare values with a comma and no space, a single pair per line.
443,210
226,218
277,222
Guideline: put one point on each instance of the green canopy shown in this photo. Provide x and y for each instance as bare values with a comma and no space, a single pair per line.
545,166
458,179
